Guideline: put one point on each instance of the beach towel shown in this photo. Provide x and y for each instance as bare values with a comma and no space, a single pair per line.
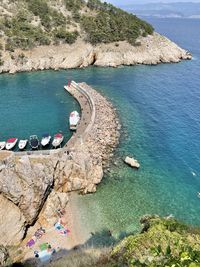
30,243
44,246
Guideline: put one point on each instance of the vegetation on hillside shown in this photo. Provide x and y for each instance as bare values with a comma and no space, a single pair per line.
29,23
164,242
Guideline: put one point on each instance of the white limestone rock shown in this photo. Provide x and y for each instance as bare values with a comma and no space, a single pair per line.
12,223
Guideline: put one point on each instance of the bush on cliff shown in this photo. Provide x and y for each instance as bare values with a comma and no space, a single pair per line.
68,37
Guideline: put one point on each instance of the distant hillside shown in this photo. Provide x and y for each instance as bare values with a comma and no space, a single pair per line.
29,23
177,9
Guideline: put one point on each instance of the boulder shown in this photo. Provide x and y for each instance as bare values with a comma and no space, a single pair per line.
55,201
132,162
26,182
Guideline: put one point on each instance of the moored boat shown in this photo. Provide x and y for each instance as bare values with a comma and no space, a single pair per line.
2,145
22,144
10,143
74,119
34,141
57,140
46,138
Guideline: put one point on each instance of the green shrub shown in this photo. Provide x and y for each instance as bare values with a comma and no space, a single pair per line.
68,37
74,5
112,24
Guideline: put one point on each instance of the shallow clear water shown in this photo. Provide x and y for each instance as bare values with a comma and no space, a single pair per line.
159,110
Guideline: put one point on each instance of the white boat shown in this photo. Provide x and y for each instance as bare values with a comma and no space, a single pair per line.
10,143
22,144
2,145
57,140
74,119
46,138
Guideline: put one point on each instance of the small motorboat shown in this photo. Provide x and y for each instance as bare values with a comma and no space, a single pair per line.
34,141
2,145
22,144
46,138
74,119
10,143
57,140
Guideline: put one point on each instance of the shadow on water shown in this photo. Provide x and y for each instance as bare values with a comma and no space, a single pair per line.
99,240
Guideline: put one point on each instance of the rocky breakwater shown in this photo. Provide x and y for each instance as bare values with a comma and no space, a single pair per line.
35,186
153,49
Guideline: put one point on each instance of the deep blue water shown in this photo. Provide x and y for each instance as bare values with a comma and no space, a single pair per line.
160,113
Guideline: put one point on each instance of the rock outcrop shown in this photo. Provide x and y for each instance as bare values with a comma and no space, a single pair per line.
152,49
56,201
26,182
32,185
12,222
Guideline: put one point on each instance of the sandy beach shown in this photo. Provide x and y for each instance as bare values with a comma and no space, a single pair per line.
62,244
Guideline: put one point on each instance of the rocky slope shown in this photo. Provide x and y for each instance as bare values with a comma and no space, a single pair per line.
71,34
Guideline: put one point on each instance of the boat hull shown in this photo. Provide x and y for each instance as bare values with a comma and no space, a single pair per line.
2,145
34,142
22,144
74,119
11,145
57,141
45,141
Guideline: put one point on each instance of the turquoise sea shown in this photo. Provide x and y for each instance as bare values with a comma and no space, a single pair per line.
159,108
34,103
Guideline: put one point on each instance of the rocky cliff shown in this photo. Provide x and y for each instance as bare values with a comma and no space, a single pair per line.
154,49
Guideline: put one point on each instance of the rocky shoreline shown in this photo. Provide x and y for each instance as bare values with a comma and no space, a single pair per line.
34,186
150,50
104,138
